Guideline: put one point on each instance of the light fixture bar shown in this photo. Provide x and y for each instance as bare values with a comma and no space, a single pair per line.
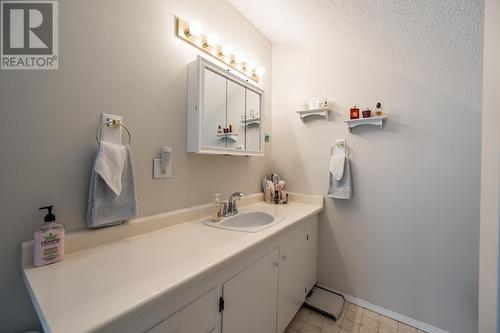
203,42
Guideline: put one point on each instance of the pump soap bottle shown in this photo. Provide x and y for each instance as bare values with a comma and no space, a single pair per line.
49,241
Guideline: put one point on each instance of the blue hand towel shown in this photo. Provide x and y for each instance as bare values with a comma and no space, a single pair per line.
340,188
112,196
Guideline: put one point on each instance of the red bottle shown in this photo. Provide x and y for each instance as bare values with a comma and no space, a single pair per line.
354,113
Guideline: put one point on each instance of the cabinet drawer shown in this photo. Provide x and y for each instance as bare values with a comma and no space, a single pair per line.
200,316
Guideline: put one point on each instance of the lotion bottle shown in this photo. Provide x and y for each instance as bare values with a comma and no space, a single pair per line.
217,210
48,241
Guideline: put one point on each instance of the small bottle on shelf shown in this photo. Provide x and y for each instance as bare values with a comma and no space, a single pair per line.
378,111
354,113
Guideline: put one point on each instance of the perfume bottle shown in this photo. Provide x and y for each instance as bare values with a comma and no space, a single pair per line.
378,111
354,113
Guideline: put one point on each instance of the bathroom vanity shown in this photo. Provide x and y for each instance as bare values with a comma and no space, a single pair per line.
174,273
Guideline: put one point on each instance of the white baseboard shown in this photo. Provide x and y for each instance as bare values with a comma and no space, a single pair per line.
388,313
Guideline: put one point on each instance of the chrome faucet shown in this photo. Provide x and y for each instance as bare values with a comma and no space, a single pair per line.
232,209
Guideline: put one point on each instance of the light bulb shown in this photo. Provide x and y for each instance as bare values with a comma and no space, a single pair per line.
212,39
251,66
195,28
227,50
260,71
240,58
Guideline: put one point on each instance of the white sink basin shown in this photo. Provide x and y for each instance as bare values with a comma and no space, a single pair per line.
247,222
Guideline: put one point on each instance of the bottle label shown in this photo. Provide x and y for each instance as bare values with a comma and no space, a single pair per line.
49,245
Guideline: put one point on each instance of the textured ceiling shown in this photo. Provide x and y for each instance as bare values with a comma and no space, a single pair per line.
435,42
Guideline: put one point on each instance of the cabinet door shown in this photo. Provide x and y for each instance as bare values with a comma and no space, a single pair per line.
292,276
311,254
201,316
253,121
235,115
214,109
250,298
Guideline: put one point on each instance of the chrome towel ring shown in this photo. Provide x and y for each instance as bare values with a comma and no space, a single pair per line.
114,123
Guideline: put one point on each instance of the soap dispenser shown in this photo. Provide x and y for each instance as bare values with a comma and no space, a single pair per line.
48,240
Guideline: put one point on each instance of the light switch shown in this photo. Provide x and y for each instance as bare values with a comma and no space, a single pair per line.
162,167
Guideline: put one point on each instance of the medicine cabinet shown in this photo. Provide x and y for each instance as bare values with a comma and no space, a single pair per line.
225,112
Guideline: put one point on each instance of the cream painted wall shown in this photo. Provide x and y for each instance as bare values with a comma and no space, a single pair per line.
409,239
490,175
119,57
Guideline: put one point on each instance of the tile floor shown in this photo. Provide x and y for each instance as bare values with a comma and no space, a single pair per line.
354,319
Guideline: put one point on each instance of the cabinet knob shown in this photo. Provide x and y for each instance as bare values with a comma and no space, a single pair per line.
284,257
275,264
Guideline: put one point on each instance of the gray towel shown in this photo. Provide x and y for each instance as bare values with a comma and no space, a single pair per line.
105,207
341,189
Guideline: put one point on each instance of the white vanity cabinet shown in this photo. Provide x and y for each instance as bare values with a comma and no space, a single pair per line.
250,298
224,113
266,296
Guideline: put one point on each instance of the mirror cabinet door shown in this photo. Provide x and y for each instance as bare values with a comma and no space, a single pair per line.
235,115
253,121
214,111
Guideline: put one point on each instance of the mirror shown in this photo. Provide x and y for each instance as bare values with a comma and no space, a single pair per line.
253,121
235,115
215,109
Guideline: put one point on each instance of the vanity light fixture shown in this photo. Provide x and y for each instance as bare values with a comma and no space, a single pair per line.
192,33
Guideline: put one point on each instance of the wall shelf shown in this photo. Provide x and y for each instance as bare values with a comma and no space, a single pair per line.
314,112
232,136
375,121
250,121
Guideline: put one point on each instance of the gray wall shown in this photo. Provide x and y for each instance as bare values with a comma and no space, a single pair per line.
490,174
118,57
409,239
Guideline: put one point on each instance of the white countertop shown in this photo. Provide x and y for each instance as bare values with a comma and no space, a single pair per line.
96,285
